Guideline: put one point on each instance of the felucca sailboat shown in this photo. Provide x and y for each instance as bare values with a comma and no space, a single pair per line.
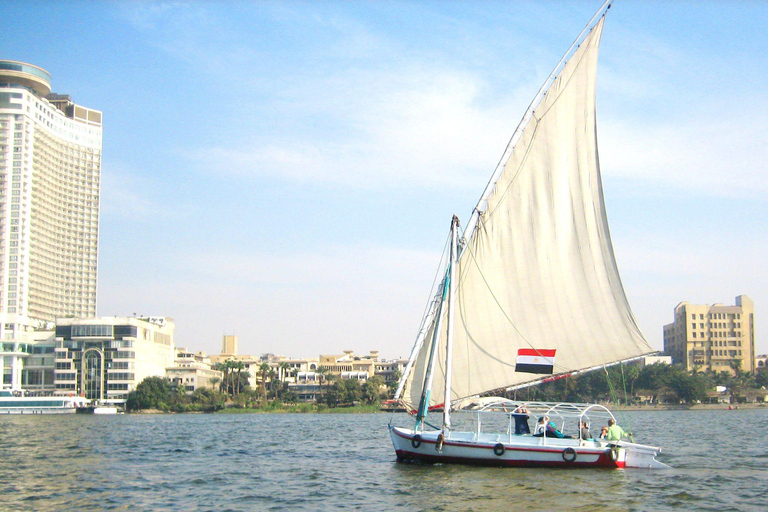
531,291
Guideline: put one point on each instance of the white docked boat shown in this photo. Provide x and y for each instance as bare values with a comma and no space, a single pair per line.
11,403
531,292
99,408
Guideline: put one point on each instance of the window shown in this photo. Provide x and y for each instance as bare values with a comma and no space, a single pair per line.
92,330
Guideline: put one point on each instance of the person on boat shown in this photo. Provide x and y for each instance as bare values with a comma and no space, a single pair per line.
584,430
541,426
603,432
552,431
615,432
521,420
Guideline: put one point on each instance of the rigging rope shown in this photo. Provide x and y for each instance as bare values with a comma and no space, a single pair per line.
615,398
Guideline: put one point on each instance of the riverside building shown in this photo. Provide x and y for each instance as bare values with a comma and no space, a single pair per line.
105,358
713,338
50,176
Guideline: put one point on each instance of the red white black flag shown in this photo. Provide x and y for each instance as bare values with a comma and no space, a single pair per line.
531,360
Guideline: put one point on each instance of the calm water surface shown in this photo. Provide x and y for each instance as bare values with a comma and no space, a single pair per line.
346,462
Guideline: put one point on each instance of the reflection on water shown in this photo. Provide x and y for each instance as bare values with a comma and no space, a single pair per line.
346,462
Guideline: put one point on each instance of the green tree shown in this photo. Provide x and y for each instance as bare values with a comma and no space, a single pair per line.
335,395
761,378
151,393
207,399
393,382
371,389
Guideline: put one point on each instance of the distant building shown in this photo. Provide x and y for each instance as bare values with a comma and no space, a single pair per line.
192,370
105,358
391,371
761,362
649,360
712,338
350,366
229,345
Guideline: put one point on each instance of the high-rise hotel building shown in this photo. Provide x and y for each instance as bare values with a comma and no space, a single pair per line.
50,168
713,338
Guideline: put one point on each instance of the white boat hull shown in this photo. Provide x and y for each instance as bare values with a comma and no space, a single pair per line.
522,451
38,410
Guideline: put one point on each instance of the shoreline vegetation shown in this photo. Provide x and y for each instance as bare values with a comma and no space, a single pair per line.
375,409
306,408
623,388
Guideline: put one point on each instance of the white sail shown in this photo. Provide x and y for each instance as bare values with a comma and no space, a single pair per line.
538,271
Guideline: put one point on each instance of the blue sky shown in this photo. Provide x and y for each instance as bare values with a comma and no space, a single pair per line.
287,171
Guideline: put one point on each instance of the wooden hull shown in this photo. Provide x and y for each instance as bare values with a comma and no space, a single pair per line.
516,451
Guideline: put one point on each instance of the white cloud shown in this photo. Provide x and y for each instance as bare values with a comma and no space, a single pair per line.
403,128
721,154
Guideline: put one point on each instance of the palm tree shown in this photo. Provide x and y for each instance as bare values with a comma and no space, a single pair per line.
272,375
238,384
283,368
264,369
323,371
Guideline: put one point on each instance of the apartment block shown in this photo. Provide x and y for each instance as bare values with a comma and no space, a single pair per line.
713,337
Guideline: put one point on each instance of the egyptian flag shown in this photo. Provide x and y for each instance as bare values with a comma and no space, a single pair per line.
531,360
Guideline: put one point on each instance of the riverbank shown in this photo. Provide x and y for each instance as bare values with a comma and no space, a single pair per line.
368,409
684,407
293,409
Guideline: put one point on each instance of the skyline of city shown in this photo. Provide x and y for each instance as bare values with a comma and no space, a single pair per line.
286,172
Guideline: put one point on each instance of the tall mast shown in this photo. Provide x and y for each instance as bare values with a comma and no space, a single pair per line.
449,338
426,390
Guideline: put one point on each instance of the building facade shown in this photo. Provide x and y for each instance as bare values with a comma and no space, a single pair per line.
713,338
192,370
106,358
50,178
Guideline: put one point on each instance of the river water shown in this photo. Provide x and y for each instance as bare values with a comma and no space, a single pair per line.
321,462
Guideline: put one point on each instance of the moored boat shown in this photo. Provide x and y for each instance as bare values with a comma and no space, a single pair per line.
530,292
99,408
18,403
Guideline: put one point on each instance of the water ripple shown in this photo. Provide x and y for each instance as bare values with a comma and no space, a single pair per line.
311,462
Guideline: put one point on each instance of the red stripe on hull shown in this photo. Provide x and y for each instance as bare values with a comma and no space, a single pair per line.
603,460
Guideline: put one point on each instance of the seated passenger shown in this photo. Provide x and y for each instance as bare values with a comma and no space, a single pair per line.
553,432
541,426
584,430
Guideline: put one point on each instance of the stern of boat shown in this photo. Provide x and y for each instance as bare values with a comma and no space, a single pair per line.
641,456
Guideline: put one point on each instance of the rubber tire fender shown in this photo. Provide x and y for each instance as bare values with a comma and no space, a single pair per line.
613,454
499,449
416,441
569,455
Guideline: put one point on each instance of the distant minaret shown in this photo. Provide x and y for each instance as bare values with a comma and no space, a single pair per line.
229,345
